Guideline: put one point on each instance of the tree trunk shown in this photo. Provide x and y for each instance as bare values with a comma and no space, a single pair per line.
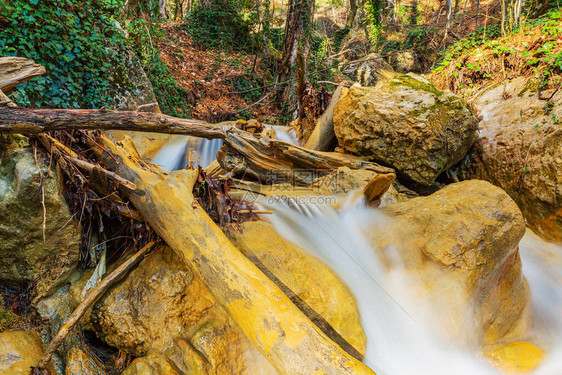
298,28
351,14
282,333
33,121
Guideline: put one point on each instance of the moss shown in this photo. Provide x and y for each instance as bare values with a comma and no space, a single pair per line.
532,86
416,84
7,318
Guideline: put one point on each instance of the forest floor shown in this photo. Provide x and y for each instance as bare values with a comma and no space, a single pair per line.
216,79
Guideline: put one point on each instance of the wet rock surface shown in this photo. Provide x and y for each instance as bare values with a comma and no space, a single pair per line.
462,244
26,254
519,149
407,124
310,284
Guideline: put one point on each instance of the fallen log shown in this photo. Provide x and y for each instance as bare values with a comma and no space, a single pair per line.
17,70
32,121
273,161
281,332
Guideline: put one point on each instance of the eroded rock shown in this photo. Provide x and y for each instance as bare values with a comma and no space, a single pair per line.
26,254
407,124
460,244
164,314
519,148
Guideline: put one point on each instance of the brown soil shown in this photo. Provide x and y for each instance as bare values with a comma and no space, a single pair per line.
212,76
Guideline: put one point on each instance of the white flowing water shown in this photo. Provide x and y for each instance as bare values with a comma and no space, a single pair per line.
400,340
174,154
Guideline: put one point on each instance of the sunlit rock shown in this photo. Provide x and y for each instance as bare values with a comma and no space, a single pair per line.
19,351
459,247
517,357
161,305
407,124
519,148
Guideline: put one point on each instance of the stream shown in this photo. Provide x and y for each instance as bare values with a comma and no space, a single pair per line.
400,337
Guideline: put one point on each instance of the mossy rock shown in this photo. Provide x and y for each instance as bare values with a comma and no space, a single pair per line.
408,124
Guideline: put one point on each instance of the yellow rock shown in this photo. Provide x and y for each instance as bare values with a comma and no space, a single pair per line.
460,248
19,350
312,282
517,357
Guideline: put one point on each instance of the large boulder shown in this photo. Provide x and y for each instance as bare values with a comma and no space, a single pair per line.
460,244
406,123
30,252
160,307
19,351
519,148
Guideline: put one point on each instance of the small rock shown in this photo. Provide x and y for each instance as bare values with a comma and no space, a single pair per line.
79,363
19,351
406,62
368,70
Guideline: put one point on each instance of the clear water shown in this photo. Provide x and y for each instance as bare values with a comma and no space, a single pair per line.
400,340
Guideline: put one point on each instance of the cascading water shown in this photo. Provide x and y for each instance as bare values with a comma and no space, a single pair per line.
174,155
399,338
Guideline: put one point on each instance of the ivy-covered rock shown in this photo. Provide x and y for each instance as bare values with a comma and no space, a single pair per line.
407,124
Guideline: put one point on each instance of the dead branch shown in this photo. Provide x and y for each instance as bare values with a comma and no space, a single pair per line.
93,295
33,121
287,338
17,70
273,161
90,168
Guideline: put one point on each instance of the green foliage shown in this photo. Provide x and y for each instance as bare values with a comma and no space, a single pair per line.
545,60
172,98
77,43
374,9
219,26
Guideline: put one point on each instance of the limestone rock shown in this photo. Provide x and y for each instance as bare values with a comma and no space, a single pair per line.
79,363
519,149
368,70
26,256
312,283
518,357
345,180
129,86
164,313
407,124
406,62
461,244
19,350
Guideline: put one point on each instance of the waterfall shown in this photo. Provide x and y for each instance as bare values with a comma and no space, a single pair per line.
399,339
174,154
